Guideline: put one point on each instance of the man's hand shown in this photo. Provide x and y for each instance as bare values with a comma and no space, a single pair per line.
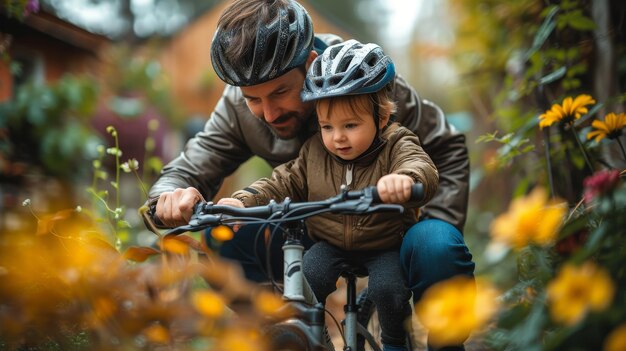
174,208
394,188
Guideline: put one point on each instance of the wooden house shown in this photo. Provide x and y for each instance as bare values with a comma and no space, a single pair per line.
46,47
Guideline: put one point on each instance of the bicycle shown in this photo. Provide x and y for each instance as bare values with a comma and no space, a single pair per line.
305,330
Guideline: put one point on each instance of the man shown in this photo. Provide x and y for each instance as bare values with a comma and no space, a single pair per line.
262,49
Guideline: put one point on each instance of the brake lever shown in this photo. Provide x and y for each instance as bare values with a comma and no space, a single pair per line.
350,206
197,223
180,230
385,208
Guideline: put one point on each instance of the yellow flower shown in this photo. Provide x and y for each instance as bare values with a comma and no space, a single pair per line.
222,233
157,333
570,110
616,341
175,246
270,304
576,290
240,340
611,127
208,303
531,219
453,308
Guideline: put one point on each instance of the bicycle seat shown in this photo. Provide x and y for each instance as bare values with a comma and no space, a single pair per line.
348,269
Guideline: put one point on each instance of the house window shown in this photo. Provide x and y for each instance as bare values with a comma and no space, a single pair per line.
30,69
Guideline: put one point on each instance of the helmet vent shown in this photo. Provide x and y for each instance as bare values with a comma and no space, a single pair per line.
360,73
344,63
371,60
271,43
379,77
317,68
291,45
335,80
292,16
333,52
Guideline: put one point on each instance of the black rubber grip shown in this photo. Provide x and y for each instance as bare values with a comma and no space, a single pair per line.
417,193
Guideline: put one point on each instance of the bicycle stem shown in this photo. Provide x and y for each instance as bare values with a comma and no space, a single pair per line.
293,275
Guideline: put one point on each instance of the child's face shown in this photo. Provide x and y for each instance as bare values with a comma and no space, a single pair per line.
346,131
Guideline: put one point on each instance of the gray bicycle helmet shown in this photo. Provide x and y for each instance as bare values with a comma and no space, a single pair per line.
348,68
281,44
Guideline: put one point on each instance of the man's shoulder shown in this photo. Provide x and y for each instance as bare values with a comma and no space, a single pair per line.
233,104
233,94
313,143
397,131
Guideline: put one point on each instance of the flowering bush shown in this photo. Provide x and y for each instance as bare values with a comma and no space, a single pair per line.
570,286
20,8
571,295
571,290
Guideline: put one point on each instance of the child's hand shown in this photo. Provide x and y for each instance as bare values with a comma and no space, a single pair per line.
229,201
394,188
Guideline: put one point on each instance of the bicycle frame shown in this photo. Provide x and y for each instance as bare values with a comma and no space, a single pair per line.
309,319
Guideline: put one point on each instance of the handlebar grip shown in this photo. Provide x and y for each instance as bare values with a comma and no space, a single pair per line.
417,193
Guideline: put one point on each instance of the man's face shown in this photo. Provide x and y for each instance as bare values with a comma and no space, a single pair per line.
277,102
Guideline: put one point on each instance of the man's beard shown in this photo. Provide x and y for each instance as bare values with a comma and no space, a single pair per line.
294,130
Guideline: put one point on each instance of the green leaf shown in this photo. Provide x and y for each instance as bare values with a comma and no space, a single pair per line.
121,224
579,21
487,137
555,75
544,31
114,184
594,243
155,164
528,148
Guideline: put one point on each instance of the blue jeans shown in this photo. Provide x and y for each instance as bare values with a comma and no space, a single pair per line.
434,250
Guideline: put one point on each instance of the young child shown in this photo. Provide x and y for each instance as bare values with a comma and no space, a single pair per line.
356,147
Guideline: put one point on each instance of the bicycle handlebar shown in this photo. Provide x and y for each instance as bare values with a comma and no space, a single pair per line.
363,201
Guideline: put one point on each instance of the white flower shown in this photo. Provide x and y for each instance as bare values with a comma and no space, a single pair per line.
130,165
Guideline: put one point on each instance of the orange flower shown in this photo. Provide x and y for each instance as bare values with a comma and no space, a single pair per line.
222,233
611,127
616,341
209,303
453,308
157,333
531,219
576,290
570,110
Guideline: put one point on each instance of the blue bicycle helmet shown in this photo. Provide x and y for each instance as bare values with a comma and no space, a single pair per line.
348,68
282,42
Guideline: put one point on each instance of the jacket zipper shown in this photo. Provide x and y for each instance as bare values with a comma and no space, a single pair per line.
349,174
347,233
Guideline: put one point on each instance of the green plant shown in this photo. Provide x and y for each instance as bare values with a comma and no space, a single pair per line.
532,70
19,8
65,287
47,127
70,285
